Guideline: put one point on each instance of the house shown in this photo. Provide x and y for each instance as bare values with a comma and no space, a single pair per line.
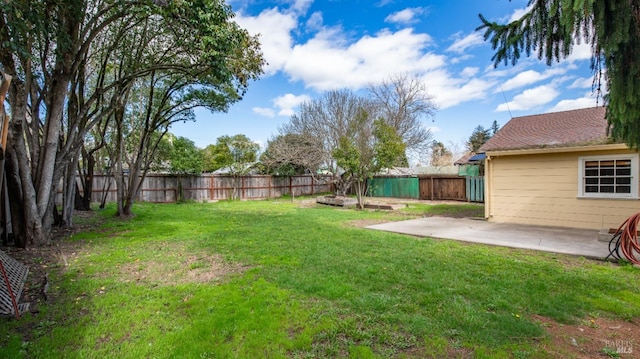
560,169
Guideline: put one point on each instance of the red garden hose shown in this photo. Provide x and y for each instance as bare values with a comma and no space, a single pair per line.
626,240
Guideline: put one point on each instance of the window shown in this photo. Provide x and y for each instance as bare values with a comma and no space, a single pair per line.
608,176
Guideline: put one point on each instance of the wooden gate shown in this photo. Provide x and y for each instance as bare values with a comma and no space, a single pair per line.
443,188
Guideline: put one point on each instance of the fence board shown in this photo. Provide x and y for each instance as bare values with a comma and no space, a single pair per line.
396,187
475,188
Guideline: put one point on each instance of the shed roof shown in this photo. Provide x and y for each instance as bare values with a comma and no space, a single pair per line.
556,129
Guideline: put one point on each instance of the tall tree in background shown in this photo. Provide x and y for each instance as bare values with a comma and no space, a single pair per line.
440,155
404,103
292,154
478,137
612,27
322,122
185,159
236,154
232,152
494,128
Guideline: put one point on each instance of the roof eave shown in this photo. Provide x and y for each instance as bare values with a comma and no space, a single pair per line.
534,151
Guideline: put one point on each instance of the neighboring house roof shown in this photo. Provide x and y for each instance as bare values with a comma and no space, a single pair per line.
464,159
558,129
477,158
470,158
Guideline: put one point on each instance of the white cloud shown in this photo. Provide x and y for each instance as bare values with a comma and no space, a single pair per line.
434,129
530,98
518,13
329,61
580,52
287,103
315,21
300,6
264,111
529,77
461,44
405,16
469,71
275,29
522,79
449,91
582,83
573,104
382,3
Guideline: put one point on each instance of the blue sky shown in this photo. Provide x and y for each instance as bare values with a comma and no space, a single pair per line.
315,46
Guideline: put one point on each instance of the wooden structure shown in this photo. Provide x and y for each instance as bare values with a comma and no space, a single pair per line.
442,188
161,188
13,275
430,187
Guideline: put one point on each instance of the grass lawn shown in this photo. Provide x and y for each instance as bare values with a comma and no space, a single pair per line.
274,279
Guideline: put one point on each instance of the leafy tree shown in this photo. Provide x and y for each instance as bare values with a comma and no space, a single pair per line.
75,63
440,155
611,27
366,149
233,152
208,161
236,154
478,137
184,157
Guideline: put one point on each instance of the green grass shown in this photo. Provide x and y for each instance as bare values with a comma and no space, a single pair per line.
271,279
457,210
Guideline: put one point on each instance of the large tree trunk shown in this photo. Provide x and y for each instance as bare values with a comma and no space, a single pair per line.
14,191
32,222
83,202
69,192
49,153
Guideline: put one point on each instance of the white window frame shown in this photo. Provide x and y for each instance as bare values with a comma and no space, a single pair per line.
634,176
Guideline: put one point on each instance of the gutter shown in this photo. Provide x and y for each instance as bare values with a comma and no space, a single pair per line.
533,151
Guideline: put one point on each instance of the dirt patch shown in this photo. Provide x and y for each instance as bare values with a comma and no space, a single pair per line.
592,338
180,269
361,223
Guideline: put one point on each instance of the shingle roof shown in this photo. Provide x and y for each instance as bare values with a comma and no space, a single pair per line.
464,159
557,129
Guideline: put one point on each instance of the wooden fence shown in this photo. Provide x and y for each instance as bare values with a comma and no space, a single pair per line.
167,188
475,188
428,187
442,188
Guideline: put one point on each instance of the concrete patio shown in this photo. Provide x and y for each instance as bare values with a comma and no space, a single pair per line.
578,242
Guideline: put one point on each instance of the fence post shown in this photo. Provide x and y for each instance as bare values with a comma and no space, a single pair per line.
242,184
432,192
